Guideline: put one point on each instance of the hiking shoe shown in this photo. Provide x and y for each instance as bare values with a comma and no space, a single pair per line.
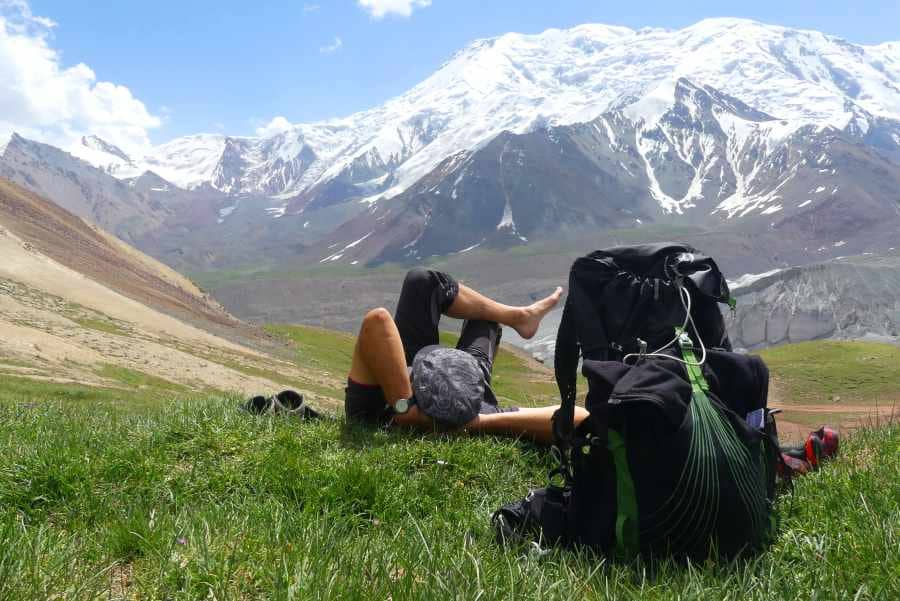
286,402
256,405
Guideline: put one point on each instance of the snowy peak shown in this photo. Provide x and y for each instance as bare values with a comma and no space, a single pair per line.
748,71
105,156
95,143
189,161
684,153
707,97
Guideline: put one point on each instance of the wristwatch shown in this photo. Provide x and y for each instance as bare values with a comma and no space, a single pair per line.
401,406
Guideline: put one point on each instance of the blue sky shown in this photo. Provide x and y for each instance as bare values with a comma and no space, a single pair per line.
228,65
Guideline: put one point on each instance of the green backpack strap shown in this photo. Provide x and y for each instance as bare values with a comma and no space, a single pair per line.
699,385
627,534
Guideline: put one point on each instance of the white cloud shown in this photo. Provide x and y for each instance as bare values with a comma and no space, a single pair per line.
311,8
275,126
333,47
21,17
381,8
42,99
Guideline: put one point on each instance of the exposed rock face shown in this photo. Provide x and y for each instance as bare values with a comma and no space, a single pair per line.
80,188
845,298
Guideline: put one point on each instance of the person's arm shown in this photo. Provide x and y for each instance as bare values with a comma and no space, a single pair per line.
533,422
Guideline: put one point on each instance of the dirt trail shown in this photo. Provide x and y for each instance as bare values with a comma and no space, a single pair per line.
798,420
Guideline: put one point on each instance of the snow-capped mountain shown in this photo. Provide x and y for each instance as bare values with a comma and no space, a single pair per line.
728,123
518,83
80,188
704,159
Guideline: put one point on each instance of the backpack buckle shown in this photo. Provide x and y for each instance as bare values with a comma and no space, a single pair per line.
684,341
642,347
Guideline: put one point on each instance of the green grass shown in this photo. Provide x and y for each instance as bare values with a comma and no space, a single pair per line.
318,348
196,500
137,380
857,372
103,325
19,389
212,280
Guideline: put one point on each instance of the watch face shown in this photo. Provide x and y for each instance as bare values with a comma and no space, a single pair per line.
401,406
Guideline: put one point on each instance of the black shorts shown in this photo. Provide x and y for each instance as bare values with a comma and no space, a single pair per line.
366,403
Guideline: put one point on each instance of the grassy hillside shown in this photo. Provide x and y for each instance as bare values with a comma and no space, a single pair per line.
198,500
819,371
146,490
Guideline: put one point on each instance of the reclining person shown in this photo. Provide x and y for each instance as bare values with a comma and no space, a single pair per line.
379,387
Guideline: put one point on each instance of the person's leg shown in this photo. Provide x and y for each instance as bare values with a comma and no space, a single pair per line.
535,423
425,295
481,339
378,360
472,305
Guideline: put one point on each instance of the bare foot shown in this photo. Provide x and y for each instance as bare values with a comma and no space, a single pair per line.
533,314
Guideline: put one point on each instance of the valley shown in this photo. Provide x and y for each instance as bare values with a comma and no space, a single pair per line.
516,156
522,152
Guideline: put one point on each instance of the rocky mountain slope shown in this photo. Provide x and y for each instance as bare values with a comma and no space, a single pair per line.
851,297
705,159
80,188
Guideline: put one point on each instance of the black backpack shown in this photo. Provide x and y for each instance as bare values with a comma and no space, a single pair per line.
674,457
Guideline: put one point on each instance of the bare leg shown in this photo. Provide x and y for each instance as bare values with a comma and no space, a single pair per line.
378,359
535,423
472,305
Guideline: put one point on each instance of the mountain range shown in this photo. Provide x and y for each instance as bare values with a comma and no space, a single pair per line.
787,139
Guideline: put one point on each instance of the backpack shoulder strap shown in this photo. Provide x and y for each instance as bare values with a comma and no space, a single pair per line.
565,365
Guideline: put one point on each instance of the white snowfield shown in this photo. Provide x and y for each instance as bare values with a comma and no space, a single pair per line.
520,82
749,278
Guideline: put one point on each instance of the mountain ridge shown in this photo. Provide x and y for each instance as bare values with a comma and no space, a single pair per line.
517,82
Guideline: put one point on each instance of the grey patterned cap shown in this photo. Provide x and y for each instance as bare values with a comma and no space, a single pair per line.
448,384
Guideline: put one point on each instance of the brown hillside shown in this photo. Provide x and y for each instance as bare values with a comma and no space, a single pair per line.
79,306
87,249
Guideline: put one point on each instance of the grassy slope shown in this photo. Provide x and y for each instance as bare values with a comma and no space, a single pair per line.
192,498
197,500
857,372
